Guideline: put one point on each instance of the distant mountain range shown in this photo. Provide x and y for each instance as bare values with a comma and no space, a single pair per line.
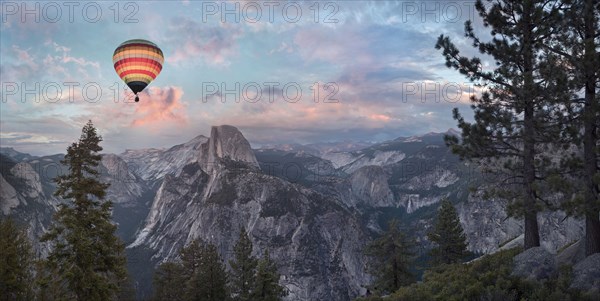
319,148
314,206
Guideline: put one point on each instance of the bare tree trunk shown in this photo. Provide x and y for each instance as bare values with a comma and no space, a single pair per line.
592,222
532,236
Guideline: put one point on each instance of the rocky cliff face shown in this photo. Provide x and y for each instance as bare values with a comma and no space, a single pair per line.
227,143
125,186
367,186
489,228
425,173
24,198
315,241
9,198
27,191
30,178
486,224
154,164
352,161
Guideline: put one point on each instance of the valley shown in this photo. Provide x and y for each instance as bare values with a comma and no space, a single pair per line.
314,210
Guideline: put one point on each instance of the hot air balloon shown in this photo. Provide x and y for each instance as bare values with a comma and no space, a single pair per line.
138,62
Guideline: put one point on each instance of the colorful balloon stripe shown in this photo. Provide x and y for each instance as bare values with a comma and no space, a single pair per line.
145,68
138,62
137,49
138,71
143,54
130,66
137,78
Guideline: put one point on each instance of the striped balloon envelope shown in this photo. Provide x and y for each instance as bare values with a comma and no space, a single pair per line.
138,62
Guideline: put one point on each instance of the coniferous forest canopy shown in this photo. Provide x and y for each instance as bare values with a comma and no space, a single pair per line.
353,189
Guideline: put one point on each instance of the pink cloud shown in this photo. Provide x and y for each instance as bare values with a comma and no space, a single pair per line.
158,106
380,117
304,114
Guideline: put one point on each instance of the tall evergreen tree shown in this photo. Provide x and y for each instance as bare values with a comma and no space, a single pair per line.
15,263
266,284
209,281
591,124
514,119
392,255
191,257
578,45
169,282
243,268
86,254
449,236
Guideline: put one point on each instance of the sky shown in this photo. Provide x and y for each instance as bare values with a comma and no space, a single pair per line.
280,71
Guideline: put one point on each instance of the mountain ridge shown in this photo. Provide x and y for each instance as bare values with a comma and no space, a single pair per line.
315,214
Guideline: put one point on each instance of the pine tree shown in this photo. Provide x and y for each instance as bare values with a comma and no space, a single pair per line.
243,268
48,286
449,236
392,255
209,281
15,262
86,254
591,115
191,257
266,285
579,46
516,118
169,282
